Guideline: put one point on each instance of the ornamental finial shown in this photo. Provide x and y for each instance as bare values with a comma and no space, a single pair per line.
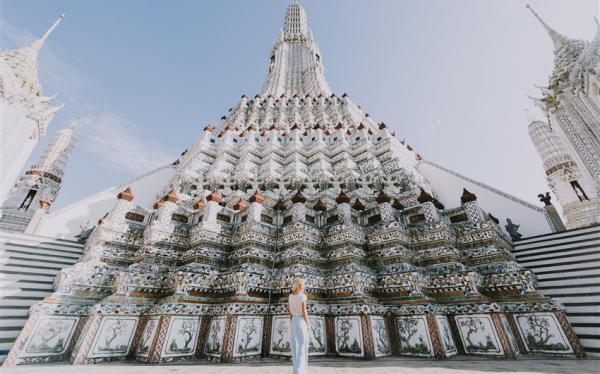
34,47
557,38
75,123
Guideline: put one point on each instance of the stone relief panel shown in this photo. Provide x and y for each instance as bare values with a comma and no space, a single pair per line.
181,337
479,335
51,336
542,333
414,336
214,343
511,339
317,340
280,336
114,337
446,335
381,340
248,336
147,338
348,336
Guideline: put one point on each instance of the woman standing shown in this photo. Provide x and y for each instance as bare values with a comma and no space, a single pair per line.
299,327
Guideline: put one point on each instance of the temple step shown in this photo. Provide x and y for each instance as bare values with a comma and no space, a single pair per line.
28,265
567,265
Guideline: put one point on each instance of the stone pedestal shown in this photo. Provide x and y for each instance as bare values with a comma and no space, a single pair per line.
46,337
105,338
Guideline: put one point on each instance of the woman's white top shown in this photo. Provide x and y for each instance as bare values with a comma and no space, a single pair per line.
295,303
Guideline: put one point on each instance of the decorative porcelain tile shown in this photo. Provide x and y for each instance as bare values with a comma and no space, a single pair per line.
248,336
214,343
143,348
381,340
446,335
511,338
414,336
479,335
348,336
280,336
181,337
542,333
114,337
317,343
51,336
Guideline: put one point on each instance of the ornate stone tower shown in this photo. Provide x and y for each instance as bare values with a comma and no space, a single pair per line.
295,182
39,186
24,110
567,132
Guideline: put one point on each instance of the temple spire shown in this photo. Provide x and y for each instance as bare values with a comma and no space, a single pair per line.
295,63
295,20
33,49
557,38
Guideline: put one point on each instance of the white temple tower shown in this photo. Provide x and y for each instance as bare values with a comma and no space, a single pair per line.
39,186
567,134
24,110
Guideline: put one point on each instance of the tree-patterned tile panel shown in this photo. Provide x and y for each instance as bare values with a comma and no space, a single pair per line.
281,336
381,340
181,337
348,336
248,336
446,335
214,343
317,338
114,337
51,336
542,333
414,336
478,335
143,349
511,338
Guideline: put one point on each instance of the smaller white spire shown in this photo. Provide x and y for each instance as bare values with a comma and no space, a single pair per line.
33,49
557,38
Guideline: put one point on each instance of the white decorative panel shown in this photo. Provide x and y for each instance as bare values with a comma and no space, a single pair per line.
280,336
511,338
541,332
446,335
414,336
348,336
479,335
114,337
147,338
51,336
317,343
381,341
248,336
181,337
214,343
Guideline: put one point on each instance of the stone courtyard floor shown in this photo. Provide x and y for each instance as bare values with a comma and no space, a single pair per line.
457,365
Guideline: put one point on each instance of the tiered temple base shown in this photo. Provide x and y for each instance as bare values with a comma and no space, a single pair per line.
236,332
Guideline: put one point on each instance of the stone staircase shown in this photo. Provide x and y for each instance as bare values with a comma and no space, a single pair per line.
567,265
28,265
11,219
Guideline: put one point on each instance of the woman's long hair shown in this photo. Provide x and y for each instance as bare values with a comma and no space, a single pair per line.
298,285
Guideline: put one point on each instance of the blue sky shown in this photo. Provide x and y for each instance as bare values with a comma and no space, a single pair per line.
452,77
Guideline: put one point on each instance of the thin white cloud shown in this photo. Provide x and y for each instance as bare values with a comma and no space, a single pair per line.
118,144
433,125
